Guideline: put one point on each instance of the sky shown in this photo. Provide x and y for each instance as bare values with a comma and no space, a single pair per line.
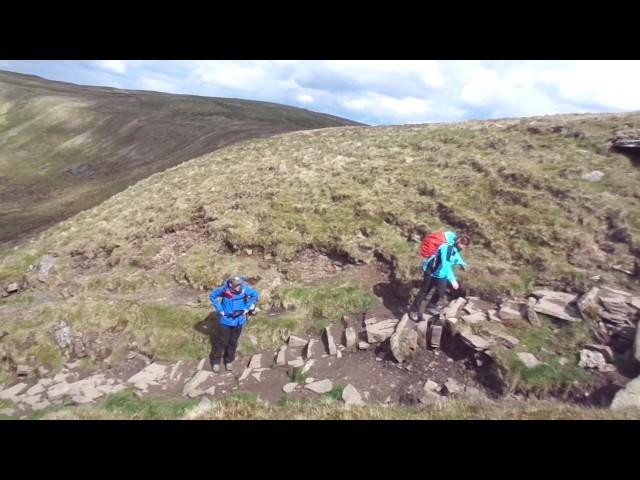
375,92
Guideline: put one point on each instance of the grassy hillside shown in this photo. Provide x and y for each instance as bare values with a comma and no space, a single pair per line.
364,196
65,148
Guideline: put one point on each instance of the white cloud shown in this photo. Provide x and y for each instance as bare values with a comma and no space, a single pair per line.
377,91
385,106
117,66
304,98
157,85
228,74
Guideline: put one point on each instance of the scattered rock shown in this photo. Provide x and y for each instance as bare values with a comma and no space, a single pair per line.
257,375
628,397
595,360
309,380
7,411
637,345
588,302
511,311
62,335
281,358
594,176
35,390
195,387
12,288
362,345
204,403
35,402
474,341
309,348
529,360
339,354
111,389
23,370
454,308
201,364
351,396
289,387
474,318
12,392
245,374
330,343
298,362
563,361
350,338
532,316
380,331
422,328
404,341
57,391
296,341
46,264
323,386
176,373
152,374
562,297
307,366
431,386
452,386
256,361
606,352
253,339
507,340
436,337
558,306
493,316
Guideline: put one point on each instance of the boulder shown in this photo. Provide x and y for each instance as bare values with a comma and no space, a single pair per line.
322,386
511,311
380,331
351,396
46,264
628,397
350,338
330,343
296,341
529,360
404,341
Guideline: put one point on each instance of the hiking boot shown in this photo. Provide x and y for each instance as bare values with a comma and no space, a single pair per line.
433,310
216,368
228,367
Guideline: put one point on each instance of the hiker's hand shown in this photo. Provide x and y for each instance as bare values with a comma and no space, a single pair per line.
455,285
238,313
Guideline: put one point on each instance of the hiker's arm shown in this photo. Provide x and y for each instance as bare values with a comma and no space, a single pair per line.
214,298
458,260
253,295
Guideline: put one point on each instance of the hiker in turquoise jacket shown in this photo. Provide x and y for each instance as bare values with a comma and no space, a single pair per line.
439,272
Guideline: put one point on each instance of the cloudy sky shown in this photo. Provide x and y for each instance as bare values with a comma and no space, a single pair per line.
376,92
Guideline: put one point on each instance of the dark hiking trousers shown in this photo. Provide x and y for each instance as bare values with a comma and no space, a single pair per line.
427,284
225,342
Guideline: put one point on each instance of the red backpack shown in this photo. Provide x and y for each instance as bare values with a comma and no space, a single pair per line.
431,243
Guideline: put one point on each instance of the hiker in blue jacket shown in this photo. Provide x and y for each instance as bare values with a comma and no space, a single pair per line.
438,272
233,301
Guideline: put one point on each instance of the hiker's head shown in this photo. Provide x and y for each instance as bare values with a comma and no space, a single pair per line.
463,241
235,283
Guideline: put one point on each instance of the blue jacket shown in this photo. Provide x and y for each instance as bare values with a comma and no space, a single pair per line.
445,267
226,301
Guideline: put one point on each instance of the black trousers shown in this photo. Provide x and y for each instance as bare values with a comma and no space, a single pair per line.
427,284
225,343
